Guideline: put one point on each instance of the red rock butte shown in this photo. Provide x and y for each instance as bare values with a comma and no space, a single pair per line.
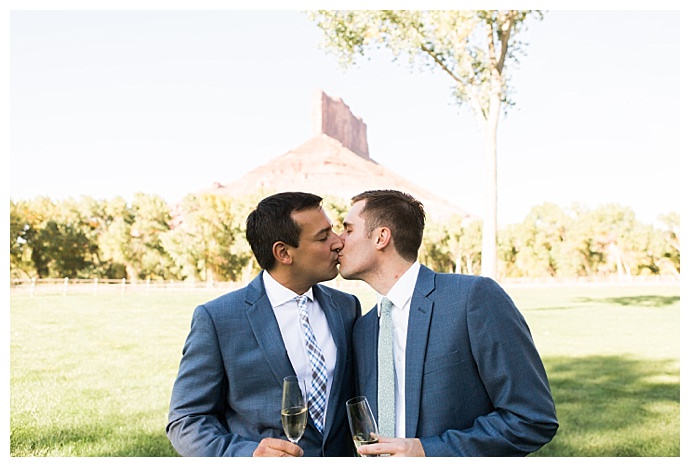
334,162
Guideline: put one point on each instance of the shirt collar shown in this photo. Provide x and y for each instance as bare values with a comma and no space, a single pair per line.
401,292
278,294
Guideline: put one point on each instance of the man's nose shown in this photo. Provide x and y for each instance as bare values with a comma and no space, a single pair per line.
338,243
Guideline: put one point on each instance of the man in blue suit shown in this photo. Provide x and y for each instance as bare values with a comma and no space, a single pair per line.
226,400
466,378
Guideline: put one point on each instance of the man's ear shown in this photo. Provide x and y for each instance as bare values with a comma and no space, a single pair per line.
383,237
281,253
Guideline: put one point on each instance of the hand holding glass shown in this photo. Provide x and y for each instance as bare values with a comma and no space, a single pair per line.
293,412
362,423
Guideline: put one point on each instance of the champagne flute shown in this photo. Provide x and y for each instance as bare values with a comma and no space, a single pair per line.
362,423
293,412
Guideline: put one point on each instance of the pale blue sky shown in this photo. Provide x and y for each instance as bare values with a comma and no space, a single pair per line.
168,102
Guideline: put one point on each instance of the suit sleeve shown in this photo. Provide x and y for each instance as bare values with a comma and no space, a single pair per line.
524,415
196,424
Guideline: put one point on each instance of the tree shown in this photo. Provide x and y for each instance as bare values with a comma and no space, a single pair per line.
435,250
20,250
616,234
115,240
671,242
541,237
151,221
465,241
206,241
74,251
35,215
472,47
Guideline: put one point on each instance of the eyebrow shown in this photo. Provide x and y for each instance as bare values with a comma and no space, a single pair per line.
322,231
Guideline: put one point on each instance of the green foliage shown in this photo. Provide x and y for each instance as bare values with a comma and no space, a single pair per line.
203,239
336,209
152,220
541,246
51,239
664,252
207,243
91,375
471,46
453,246
20,235
553,242
131,236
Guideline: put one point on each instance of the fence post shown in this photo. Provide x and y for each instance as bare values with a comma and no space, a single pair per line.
124,284
95,286
64,287
33,286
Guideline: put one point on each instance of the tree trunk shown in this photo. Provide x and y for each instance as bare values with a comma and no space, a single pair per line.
490,221
132,272
210,276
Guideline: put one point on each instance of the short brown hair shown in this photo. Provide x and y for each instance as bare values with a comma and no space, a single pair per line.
400,212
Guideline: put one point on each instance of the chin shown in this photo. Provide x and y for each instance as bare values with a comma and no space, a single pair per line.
332,275
344,274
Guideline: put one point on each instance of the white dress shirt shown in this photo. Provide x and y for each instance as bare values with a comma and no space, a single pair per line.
287,314
400,295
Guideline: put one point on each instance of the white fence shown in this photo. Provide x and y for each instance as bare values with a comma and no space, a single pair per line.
96,286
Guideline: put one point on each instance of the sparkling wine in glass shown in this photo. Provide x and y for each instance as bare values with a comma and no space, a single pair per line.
293,412
362,424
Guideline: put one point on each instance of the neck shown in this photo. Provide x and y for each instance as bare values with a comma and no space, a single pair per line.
289,282
384,278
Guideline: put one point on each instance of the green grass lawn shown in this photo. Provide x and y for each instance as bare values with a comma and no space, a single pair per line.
612,355
91,375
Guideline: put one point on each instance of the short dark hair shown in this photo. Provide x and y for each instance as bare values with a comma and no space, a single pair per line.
400,212
272,222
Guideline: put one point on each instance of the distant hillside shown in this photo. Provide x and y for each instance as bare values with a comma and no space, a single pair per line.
334,162
322,165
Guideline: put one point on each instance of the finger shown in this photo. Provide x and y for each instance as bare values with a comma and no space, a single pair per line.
286,447
276,447
372,450
294,450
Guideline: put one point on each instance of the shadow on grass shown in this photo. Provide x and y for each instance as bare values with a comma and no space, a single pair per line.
614,406
648,301
607,406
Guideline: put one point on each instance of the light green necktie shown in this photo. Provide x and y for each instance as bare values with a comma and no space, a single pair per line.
386,372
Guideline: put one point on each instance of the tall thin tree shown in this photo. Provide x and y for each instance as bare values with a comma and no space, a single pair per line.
472,47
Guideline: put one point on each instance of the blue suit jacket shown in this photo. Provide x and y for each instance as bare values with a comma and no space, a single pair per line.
474,382
227,394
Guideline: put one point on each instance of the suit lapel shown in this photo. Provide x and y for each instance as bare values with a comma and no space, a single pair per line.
368,383
337,327
266,330
421,308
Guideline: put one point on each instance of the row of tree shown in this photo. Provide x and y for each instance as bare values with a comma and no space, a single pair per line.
202,239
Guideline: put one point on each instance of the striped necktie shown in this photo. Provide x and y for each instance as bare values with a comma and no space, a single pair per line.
386,372
319,375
